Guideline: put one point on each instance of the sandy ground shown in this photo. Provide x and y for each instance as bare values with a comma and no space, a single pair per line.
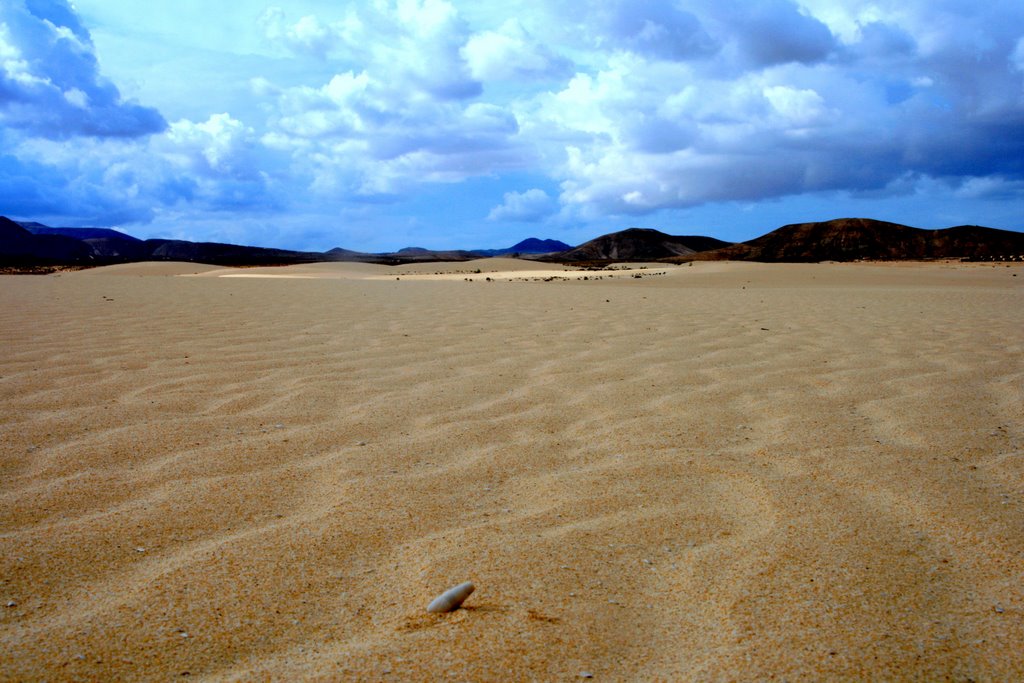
722,472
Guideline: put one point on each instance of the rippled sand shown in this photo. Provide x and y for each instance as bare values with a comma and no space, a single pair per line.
724,471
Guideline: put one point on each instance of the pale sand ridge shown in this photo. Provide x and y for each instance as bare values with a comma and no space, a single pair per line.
726,472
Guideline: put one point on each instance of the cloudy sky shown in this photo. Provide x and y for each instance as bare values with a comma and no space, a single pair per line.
380,124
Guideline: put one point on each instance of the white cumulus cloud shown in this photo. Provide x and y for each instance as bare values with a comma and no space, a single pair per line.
220,146
511,52
50,83
625,106
526,207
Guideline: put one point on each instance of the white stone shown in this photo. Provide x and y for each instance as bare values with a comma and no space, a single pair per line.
452,598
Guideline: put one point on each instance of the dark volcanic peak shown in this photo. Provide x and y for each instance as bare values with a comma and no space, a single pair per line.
533,245
639,244
850,239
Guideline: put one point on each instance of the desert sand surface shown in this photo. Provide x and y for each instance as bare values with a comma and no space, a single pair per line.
164,268
496,268
725,472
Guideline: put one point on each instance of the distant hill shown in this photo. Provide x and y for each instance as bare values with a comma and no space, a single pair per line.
77,233
106,245
531,245
218,253
119,249
32,245
638,244
43,246
417,254
339,254
850,239
20,247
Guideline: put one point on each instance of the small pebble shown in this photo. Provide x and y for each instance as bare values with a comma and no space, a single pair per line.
140,550
11,603
999,609
360,443
452,598
586,674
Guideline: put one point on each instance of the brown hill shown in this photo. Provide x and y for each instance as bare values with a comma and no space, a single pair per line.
851,239
637,244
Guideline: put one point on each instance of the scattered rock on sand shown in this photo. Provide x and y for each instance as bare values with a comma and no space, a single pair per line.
452,598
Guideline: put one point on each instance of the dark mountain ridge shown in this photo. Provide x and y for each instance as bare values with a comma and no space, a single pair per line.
845,239
851,239
31,244
77,233
19,247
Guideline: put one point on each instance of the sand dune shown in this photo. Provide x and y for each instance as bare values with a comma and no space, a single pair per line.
334,270
149,268
506,268
726,472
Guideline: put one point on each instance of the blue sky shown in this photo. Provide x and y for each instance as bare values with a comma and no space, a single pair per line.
381,124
